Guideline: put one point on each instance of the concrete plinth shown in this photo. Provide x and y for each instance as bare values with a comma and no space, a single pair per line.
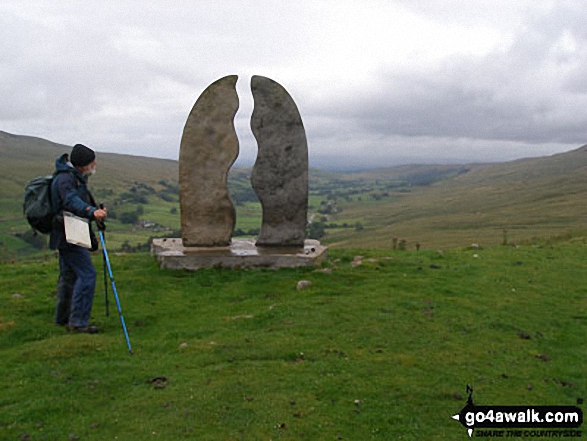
242,253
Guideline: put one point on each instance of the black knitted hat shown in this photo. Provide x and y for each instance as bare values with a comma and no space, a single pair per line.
81,155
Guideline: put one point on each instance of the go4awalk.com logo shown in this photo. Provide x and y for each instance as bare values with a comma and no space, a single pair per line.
520,421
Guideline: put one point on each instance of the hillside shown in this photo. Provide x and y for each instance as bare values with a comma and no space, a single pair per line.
124,183
24,157
435,206
537,197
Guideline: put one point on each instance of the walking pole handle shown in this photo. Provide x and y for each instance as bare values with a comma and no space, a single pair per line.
101,228
100,224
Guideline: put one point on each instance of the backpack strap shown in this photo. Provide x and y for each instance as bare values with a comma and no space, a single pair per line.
90,195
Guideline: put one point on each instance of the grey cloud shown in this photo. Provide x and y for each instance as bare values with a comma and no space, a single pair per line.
525,94
125,75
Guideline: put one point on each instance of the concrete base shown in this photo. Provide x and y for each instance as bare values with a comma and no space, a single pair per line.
242,253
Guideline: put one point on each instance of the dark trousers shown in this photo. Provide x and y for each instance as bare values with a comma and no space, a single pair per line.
75,289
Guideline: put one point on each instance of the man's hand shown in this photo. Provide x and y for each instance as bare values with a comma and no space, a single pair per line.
100,214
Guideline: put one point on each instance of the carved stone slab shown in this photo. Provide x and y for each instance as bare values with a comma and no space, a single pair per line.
280,174
209,147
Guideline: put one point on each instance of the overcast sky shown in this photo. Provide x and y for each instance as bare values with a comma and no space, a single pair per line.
376,82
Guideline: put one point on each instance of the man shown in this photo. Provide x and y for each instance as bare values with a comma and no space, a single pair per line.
77,276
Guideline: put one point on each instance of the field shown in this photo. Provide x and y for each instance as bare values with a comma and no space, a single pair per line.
438,277
381,350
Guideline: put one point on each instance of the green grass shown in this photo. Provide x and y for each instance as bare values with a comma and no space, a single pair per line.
380,351
248,216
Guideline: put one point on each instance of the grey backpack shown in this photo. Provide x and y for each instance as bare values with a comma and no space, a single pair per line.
37,206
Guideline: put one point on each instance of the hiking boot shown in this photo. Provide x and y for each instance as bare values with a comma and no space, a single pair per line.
83,329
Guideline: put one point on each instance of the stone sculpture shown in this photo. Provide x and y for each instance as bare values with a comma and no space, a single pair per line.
280,174
209,147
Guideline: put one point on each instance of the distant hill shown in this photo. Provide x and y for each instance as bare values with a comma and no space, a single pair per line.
488,204
434,205
24,157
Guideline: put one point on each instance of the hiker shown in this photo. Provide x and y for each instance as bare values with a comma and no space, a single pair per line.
77,276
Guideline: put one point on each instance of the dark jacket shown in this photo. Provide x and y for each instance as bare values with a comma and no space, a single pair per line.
69,192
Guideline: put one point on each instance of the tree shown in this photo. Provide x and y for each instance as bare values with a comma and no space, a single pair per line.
130,217
316,230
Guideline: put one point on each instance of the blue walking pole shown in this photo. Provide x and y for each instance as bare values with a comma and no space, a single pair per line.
107,260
